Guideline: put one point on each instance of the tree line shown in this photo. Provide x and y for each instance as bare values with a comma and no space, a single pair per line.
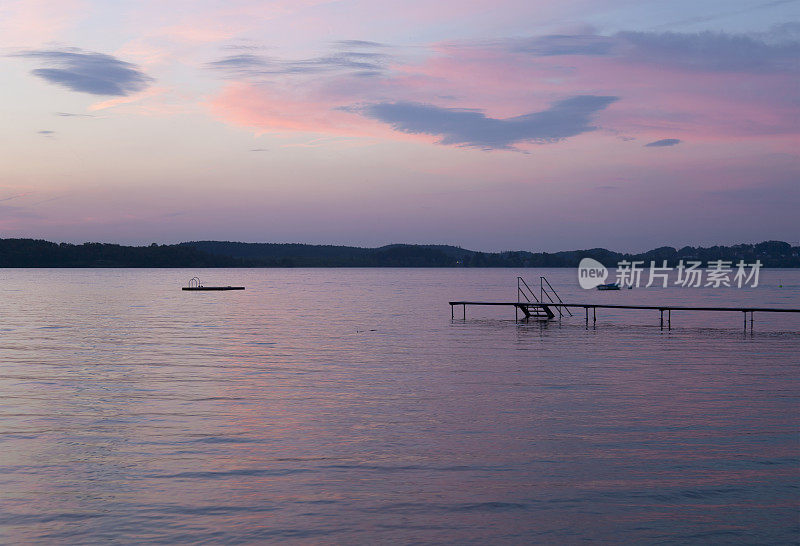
39,253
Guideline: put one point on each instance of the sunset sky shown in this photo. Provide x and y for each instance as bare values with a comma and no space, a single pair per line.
494,125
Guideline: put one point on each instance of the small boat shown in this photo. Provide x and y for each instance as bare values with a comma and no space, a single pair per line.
195,284
609,286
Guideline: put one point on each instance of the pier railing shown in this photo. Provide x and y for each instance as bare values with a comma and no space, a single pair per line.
547,291
525,291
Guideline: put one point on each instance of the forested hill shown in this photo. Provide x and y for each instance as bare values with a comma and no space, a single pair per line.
38,253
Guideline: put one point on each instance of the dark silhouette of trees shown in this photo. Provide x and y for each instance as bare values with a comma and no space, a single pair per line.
38,253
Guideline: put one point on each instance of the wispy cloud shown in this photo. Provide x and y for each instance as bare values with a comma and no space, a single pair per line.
776,50
15,196
89,72
71,115
359,44
565,44
663,142
712,51
248,65
725,14
566,118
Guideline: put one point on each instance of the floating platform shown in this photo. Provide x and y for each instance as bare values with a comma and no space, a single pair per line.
195,285
195,288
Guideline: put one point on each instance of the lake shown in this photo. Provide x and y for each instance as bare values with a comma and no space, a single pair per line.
345,406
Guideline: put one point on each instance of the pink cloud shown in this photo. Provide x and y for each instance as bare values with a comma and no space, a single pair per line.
265,110
715,105
719,97
186,22
110,103
32,22
652,98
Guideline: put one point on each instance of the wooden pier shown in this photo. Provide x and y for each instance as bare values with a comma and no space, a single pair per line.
533,307
544,311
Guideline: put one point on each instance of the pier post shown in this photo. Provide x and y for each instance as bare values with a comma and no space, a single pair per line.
587,316
745,321
661,312
452,312
594,317
465,311
669,319
751,321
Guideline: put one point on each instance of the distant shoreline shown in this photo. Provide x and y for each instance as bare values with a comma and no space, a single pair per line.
18,253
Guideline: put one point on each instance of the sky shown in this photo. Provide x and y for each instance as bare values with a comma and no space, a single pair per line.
493,125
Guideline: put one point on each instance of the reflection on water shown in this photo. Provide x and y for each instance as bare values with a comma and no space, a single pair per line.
345,406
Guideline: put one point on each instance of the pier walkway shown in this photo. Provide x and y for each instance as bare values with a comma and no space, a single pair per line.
544,311
533,307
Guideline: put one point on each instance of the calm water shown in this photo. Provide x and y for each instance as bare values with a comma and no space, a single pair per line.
344,406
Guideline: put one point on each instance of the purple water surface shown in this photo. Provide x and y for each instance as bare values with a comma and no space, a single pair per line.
344,406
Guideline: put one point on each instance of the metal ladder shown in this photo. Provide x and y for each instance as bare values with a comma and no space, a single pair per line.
533,307
529,304
545,292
